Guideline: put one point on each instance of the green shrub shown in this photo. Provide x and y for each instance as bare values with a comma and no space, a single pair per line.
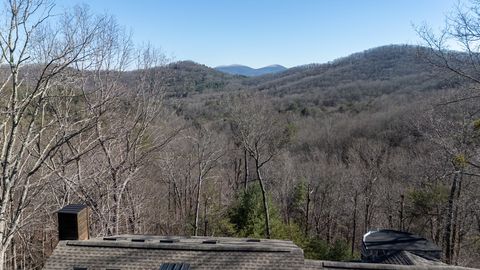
318,249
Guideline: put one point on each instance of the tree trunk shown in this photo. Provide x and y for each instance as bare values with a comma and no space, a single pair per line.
205,219
197,205
238,172
307,211
402,207
354,226
245,183
14,253
454,234
448,226
456,224
460,238
367,212
265,201
2,258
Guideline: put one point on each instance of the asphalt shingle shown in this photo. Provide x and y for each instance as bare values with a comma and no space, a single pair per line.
227,253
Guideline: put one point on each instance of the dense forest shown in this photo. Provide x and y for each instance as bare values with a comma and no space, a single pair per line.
320,154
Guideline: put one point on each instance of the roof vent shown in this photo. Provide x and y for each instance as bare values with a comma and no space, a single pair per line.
138,240
211,241
109,239
175,266
169,240
254,240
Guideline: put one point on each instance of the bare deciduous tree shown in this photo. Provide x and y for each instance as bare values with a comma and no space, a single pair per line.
263,134
207,152
37,92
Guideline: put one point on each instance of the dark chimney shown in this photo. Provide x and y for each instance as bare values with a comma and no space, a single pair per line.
73,222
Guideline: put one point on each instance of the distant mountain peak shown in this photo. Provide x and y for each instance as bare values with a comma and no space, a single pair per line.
232,65
237,69
276,65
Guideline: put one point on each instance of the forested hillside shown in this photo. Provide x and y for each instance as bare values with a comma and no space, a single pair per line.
390,69
319,154
351,83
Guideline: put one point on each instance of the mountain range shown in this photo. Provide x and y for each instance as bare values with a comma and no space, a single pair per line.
250,72
363,75
352,83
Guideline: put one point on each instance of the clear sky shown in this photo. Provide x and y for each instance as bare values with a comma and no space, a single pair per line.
264,32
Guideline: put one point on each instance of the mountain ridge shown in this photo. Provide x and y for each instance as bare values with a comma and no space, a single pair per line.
359,77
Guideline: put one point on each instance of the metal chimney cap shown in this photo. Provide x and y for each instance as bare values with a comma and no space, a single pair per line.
72,208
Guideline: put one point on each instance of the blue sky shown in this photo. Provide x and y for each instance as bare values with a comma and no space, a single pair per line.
263,32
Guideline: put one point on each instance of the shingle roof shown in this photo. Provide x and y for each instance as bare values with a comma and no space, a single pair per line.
407,258
317,265
199,253
397,240
148,252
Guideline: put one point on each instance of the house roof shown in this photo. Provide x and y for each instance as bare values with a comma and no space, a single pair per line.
397,240
198,253
316,265
150,252
407,258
